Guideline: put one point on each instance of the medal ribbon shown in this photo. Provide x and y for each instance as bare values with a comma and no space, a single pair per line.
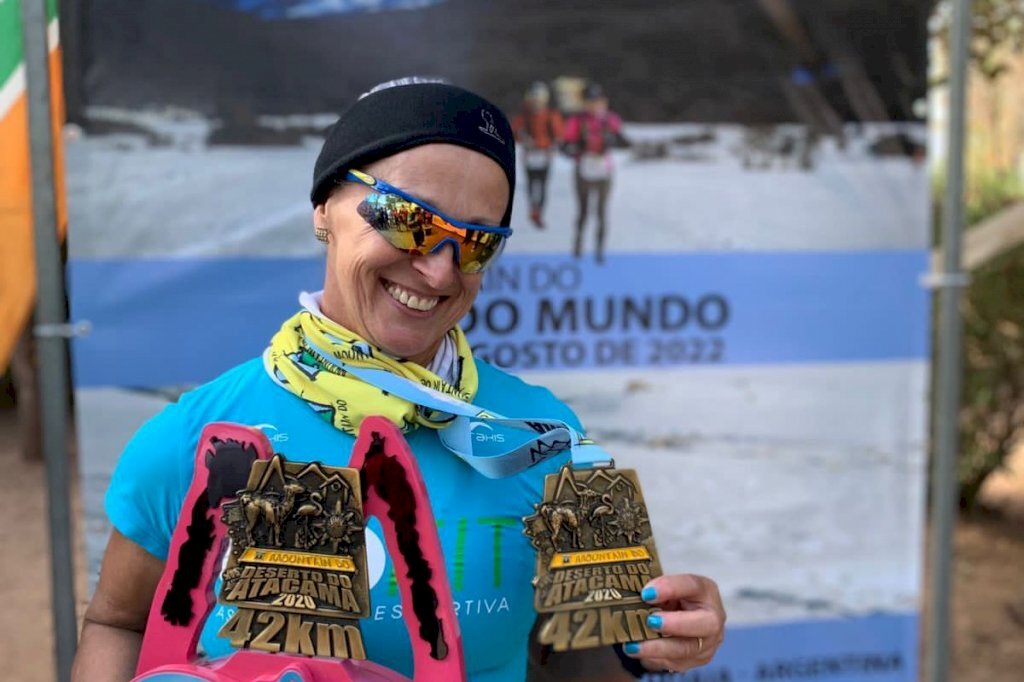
494,445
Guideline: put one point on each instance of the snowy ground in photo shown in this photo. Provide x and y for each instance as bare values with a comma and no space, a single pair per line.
128,199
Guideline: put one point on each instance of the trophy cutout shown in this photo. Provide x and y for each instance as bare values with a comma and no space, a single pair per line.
287,540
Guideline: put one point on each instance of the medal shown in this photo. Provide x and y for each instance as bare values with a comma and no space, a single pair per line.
595,553
297,568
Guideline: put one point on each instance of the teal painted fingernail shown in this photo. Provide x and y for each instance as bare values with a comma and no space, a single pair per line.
654,621
649,594
631,648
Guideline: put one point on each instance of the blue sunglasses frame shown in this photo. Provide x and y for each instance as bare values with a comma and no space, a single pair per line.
378,185
456,232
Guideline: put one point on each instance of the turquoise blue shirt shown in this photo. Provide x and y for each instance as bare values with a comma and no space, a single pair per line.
489,560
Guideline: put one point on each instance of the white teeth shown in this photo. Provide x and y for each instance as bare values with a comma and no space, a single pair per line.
411,300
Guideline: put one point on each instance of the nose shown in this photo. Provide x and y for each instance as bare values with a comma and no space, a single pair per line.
439,268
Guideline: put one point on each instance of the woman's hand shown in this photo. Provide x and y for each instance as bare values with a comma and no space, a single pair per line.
692,623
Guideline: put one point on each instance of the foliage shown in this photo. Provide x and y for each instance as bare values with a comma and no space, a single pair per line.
997,29
989,192
992,403
992,411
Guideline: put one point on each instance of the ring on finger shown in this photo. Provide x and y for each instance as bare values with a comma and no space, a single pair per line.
700,644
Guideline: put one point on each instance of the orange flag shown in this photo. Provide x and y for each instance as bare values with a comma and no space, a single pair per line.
17,256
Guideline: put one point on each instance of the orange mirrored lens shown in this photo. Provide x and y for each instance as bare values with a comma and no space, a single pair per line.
410,227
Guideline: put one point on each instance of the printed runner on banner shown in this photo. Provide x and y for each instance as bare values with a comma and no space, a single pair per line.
595,553
297,569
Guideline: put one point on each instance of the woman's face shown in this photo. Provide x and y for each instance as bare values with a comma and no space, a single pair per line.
367,278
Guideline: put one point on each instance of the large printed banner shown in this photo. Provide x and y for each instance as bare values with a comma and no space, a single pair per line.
737,312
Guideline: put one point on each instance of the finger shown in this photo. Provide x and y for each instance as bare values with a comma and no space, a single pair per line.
698,623
685,587
678,651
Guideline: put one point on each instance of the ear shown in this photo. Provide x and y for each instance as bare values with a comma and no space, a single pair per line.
320,214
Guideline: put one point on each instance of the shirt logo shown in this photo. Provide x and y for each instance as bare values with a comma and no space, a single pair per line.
488,128
273,433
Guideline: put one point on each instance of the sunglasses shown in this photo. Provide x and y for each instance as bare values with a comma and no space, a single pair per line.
416,227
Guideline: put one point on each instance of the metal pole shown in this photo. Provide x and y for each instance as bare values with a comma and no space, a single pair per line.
51,344
949,366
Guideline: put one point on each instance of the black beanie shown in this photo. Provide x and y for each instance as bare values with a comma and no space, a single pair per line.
400,117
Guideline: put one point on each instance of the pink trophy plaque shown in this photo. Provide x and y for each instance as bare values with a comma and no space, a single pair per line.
287,540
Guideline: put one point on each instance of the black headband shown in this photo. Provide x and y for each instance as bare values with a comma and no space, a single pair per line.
405,116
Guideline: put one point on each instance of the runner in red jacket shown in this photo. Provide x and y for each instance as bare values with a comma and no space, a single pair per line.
538,129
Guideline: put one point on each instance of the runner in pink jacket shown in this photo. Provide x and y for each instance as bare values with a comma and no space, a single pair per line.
589,138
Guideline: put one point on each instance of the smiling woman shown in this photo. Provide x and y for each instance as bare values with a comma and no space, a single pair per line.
400,301
412,195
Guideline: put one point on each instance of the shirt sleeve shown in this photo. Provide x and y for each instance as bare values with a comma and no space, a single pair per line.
150,481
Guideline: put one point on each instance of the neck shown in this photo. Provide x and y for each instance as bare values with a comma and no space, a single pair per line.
424,359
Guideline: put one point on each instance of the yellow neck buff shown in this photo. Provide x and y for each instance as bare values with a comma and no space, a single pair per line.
296,361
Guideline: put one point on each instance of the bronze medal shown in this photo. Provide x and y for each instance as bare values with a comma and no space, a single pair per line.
297,568
595,553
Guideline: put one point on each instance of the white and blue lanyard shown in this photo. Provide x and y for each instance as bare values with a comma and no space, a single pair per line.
494,445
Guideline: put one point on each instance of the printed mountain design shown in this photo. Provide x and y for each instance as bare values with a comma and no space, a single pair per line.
329,482
611,484
588,509
273,477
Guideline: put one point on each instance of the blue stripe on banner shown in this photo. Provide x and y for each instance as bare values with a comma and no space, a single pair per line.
163,322
877,648
547,312
172,322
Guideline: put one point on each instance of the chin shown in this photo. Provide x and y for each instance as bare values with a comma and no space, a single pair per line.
411,347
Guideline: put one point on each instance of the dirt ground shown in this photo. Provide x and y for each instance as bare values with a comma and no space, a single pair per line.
988,600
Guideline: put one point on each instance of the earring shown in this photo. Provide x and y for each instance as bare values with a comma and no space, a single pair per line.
321,233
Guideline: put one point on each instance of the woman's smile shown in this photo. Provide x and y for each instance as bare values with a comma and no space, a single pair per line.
410,300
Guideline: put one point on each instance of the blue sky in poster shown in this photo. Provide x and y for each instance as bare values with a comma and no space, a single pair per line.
302,9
